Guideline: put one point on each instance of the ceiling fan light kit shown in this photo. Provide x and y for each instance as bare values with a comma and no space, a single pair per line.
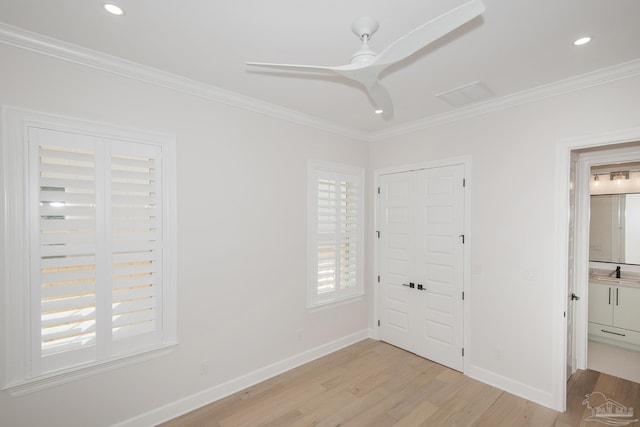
365,66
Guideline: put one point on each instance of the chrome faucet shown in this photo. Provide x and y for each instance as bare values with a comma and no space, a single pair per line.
616,272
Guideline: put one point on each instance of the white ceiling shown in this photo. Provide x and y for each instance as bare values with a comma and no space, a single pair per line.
515,45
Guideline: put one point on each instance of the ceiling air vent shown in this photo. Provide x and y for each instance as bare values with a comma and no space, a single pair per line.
467,94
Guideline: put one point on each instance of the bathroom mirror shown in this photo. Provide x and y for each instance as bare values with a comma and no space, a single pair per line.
614,229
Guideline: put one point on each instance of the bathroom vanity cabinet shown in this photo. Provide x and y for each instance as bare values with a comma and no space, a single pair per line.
614,313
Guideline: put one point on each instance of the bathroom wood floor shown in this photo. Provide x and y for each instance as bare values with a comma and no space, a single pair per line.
375,384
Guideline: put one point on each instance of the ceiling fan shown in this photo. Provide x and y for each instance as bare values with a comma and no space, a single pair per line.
366,65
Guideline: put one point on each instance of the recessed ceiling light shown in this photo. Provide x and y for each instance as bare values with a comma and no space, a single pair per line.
582,40
378,111
113,9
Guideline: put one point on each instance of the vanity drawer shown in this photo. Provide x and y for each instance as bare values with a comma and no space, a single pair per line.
613,335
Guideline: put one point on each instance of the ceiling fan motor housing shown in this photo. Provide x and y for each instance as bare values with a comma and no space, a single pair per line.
364,28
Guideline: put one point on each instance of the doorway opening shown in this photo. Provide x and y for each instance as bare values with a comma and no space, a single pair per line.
602,267
572,263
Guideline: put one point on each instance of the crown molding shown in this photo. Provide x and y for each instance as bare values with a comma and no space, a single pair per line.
583,81
34,42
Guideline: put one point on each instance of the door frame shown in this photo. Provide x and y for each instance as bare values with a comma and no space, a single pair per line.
564,148
572,307
585,162
466,161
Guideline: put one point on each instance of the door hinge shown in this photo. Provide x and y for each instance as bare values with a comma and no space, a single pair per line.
378,190
378,279
378,322
464,182
462,235
565,314
462,351
462,296
378,233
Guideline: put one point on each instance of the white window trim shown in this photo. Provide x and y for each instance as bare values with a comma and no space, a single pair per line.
313,302
14,252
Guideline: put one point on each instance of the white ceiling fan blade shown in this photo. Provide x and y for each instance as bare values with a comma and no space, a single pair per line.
381,98
429,32
291,67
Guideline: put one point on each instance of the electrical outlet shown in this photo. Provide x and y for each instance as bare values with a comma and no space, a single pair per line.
499,351
300,334
204,367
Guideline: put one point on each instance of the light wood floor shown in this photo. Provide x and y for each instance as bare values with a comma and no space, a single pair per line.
375,384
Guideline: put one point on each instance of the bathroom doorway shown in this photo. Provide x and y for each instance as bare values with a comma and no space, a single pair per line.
606,236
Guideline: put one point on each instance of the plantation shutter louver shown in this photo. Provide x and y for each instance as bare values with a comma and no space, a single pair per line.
65,284
338,199
96,247
136,247
327,247
348,233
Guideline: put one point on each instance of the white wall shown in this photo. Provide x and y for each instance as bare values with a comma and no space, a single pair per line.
242,231
513,186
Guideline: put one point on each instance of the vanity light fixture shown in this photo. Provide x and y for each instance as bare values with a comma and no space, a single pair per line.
582,41
113,9
596,180
619,177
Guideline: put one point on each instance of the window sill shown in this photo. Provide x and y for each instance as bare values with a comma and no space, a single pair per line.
62,377
335,303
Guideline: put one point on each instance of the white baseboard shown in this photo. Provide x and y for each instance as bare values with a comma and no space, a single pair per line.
204,397
541,397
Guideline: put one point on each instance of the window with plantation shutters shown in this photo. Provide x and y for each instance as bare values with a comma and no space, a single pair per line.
335,233
97,283
96,246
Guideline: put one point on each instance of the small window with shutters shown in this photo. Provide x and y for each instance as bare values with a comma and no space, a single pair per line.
97,285
335,233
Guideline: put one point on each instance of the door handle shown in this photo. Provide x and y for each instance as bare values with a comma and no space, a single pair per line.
411,285
614,333
421,288
574,297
